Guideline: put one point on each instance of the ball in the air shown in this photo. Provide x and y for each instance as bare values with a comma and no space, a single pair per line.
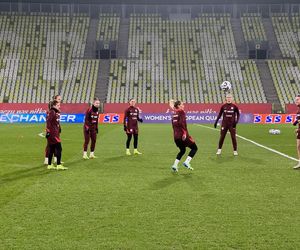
225,86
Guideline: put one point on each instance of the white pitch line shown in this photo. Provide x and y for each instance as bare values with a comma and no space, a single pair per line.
255,143
41,135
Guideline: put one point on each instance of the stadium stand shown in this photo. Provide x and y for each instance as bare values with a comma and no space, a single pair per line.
287,29
41,55
36,81
80,81
184,59
42,36
108,27
253,28
207,37
168,57
149,81
286,78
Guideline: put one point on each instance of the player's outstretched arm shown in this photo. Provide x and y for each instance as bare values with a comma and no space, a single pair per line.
171,104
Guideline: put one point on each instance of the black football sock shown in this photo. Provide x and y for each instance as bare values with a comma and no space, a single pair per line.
193,151
181,153
51,153
58,153
129,136
135,141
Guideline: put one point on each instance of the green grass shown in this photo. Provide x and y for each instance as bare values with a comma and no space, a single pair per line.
118,202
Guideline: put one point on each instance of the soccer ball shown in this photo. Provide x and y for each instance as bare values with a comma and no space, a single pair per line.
274,131
225,86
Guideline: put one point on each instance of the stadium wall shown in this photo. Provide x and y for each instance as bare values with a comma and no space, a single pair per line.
77,108
189,107
291,109
151,113
39,108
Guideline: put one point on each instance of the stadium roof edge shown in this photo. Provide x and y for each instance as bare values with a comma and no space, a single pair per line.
159,2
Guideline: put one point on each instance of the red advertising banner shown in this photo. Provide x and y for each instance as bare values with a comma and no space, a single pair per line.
274,118
291,109
40,108
189,108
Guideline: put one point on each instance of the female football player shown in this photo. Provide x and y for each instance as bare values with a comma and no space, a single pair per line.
90,129
297,122
131,118
181,135
58,99
53,136
231,115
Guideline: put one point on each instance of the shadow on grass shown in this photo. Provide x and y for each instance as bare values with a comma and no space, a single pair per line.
75,161
115,158
166,182
188,177
251,160
193,180
23,174
234,159
222,159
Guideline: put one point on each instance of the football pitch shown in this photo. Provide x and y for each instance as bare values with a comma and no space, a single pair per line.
135,202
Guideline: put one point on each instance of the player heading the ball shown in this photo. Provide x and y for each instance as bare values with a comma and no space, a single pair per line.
131,119
181,135
231,116
90,129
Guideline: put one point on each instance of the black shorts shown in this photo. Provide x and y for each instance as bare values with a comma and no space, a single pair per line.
131,131
188,142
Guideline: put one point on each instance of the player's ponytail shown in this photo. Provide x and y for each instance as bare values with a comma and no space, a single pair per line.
54,103
50,105
177,104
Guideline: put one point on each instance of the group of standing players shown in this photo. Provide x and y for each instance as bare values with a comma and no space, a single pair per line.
182,138
53,151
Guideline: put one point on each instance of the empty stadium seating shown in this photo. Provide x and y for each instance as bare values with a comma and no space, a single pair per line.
37,81
150,81
42,36
287,29
80,81
41,54
108,27
286,78
253,28
207,37
184,59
